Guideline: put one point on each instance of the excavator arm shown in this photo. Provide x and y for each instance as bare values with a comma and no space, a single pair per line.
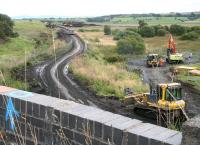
171,44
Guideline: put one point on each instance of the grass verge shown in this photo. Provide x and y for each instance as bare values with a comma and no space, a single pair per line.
103,70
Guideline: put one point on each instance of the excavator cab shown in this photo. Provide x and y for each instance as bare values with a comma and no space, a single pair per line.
170,96
152,60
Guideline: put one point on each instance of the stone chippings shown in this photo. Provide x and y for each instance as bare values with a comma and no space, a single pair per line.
79,124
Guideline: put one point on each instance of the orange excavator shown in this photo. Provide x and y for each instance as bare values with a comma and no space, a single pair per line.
172,55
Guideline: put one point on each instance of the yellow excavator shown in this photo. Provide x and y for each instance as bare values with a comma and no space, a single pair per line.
165,98
153,60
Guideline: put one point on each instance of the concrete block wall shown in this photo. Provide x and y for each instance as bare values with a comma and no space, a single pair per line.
77,124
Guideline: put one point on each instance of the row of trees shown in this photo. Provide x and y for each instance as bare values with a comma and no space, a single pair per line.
158,30
190,16
130,40
6,27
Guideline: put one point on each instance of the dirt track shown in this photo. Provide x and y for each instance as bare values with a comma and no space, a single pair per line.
55,81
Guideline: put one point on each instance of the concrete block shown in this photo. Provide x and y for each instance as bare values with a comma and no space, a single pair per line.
107,133
132,139
68,133
64,119
42,111
174,140
17,104
29,108
57,118
97,129
2,101
41,135
37,122
80,138
23,107
145,137
95,142
2,122
2,111
72,121
136,130
36,110
159,138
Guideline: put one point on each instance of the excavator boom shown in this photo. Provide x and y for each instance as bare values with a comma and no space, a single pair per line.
171,44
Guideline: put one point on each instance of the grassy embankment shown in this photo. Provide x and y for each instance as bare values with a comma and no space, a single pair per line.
102,69
34,39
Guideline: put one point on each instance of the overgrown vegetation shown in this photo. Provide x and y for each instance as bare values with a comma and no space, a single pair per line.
103,70
6,27
107,30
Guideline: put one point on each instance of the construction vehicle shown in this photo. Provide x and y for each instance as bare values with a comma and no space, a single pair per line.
164,99
172,55
154,60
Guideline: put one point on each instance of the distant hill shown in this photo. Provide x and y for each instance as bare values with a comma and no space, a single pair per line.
127,17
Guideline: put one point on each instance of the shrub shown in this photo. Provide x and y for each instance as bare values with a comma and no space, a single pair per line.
123,34
161,32
107,30
115,58
131,45
190,36
6,26
147,31
177,30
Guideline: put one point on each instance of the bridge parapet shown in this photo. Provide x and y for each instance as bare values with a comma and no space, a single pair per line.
56,121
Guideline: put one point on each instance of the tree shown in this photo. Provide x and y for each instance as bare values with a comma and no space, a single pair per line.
142,23
107,30
161,32
177,30
147,31
6,27
131,45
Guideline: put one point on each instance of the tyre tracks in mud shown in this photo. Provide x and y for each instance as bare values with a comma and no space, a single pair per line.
55,80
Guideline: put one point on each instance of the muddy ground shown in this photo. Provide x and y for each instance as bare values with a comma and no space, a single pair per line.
156,75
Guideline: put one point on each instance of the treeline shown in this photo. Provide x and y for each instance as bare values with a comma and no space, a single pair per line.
159,30
190,16
130,40
6,27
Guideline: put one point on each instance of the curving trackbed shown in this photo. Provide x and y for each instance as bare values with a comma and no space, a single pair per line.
56,82
53,74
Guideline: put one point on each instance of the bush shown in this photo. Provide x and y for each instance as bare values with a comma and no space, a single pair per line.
196,29
161,32
131,45
107,30
190,36
115,58
177,30
147,31
123,34
6,27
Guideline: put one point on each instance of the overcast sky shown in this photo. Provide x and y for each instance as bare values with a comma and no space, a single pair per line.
82,8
